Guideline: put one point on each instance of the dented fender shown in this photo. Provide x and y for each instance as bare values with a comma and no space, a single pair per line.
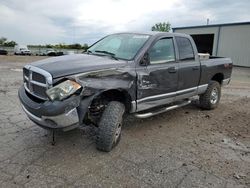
94,83
107,79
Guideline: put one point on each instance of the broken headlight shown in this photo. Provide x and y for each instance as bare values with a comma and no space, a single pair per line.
63,90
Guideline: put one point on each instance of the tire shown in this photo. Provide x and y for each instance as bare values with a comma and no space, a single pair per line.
211,98
109,129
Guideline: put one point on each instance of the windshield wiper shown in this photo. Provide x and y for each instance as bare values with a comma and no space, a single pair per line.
106,52
88,52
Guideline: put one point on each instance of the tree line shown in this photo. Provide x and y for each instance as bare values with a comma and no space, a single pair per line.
63,46
5,42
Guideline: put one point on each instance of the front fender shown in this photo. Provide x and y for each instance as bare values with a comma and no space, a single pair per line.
108,79
98,82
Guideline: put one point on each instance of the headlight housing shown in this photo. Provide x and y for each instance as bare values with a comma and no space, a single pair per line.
63,90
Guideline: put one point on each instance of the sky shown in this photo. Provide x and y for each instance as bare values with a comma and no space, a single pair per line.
86,21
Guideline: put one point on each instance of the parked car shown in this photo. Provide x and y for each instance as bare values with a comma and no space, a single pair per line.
70,52
49,52
59,53
3,52
135,73
54,53
21,50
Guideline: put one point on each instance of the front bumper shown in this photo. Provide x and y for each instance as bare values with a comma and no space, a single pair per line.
51,115
61,121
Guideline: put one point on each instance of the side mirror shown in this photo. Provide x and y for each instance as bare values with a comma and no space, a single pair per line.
145,59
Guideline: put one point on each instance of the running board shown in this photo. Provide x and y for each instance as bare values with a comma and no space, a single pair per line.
149,114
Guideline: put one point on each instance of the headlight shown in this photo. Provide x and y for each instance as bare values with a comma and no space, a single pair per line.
63,90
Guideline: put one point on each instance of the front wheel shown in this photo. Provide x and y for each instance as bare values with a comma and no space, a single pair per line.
109,129
211,98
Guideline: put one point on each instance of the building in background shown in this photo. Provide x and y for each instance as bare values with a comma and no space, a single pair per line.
226,40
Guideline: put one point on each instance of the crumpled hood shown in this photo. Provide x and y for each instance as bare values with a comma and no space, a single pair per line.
76,63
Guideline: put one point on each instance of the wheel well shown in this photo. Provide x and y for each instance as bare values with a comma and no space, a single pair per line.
218,77
117,95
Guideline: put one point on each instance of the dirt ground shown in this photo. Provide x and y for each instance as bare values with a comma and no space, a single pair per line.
187,147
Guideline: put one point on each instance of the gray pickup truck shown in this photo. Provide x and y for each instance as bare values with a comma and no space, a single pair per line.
139,73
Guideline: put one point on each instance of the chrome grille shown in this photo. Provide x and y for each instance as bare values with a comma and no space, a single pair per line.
36,81
38,77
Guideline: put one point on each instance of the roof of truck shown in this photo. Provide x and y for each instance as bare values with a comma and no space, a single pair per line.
154,33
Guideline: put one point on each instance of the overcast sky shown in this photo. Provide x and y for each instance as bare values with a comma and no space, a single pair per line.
85,21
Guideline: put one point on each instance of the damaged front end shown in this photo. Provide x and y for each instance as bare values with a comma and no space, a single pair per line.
76,100
100,87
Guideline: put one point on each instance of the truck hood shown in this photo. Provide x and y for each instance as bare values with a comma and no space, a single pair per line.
76,63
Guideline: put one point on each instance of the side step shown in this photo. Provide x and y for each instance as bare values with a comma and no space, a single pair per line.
149,114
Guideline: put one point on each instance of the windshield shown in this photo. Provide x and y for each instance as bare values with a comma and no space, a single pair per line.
121,46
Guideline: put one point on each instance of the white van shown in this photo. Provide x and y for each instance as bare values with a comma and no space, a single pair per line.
21,50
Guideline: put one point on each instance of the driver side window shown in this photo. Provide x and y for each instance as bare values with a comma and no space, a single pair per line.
162,51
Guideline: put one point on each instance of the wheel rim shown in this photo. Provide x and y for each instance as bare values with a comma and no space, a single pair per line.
214,96
118,132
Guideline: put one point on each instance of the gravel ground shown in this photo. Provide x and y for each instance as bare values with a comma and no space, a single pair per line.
187,147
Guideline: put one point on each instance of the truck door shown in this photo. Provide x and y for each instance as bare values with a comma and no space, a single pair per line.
158,81
188,67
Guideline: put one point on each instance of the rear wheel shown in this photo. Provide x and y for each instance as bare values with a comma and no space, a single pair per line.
109,129
211,98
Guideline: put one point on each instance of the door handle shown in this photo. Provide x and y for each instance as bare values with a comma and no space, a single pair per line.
172,69
195,68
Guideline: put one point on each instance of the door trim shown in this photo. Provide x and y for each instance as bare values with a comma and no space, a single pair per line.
152,98
180,92
166,98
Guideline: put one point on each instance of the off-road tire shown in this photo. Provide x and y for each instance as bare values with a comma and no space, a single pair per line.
206,99
111,120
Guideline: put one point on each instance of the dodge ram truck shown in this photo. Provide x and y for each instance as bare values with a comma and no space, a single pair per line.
125,73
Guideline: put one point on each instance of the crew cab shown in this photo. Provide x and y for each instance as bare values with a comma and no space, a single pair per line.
125,73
